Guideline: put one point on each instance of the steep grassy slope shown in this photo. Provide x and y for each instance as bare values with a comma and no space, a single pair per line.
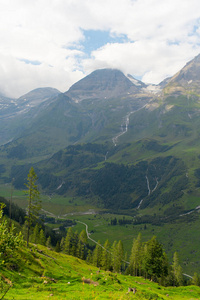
43,274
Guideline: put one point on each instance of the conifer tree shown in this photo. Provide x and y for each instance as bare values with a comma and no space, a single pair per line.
68,241
96,257
196,279
42,238
9,239
83,237
74,244
48,242
62,244
35,235
89,257
125,263
177,271
34,204
106,256
57,248
155,260
81,244
136,257
113,254
117,256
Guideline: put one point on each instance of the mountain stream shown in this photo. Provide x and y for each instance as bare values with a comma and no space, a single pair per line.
124,125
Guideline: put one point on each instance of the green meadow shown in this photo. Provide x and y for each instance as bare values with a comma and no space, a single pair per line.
180,235
44,274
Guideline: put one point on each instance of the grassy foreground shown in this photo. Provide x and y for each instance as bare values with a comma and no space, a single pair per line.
44,274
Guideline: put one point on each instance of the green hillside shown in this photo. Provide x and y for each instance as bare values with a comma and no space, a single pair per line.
42,274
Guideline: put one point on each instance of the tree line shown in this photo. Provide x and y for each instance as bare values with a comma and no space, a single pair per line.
147,259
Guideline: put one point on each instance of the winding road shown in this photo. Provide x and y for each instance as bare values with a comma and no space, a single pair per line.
88,236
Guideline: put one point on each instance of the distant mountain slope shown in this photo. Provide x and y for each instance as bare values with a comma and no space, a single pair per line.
11,107
14,113
137,127
187,80
38,96
104,83
47,120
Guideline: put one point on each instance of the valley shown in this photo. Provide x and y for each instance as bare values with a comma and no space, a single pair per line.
114,147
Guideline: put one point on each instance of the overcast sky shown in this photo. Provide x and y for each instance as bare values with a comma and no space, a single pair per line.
57,42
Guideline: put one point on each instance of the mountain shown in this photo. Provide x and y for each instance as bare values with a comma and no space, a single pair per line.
153,134
46,120
104,84
16,114
7,105
116,144
37,96
187,80
11,107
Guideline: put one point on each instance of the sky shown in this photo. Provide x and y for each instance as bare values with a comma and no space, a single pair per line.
55,43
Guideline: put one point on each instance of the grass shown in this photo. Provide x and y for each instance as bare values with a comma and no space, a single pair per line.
181,235
44,274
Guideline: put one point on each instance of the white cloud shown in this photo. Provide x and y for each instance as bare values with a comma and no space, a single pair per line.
149,60
163,36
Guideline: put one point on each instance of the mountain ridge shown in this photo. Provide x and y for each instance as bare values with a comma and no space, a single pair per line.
104,83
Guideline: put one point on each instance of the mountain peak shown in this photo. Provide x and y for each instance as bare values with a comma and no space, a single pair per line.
187,79
102,83
38,96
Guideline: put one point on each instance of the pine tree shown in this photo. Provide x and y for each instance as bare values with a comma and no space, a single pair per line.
83,237
106,256
74,244
155,259
35,235
68,241
62,244
136,257
9,240
89,257
80,244
34,204
117,256
42,238
96,257
125,263
177,271
48,242
113,254
57,249
196,279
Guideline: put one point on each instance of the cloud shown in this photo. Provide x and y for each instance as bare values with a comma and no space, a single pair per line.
161,36
147,60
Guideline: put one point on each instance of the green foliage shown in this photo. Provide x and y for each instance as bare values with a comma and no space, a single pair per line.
136,257
196,279
9,240
177,271
46,274
42,238
81,170
18,214
34,205
106,256
154,259
97,255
